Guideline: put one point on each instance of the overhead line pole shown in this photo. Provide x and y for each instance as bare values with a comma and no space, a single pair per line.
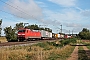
61,28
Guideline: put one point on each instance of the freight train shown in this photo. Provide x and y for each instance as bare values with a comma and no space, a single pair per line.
27,34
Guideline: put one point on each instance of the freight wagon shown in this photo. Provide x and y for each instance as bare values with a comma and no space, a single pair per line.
61,36
67,36
57,36
45,34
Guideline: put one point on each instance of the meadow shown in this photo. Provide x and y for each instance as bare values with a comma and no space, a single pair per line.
40,51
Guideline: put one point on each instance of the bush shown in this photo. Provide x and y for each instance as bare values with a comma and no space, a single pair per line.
10,34
68,41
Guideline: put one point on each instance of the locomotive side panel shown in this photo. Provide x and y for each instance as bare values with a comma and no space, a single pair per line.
33,34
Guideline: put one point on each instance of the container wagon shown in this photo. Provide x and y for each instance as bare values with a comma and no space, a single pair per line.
45,34
67,36
61,36
57,36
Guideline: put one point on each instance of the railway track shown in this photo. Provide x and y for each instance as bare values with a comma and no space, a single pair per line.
22,43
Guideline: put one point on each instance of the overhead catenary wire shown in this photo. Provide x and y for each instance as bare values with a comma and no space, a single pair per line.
20,10
10,13
11,17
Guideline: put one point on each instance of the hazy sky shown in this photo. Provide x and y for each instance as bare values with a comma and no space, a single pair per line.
73,15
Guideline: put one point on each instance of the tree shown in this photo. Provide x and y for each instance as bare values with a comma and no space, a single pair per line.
48,29
84,34
10,34
85,30
41,28
33,27
0,26
18,26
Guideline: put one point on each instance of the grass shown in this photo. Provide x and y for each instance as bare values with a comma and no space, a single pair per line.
3,39
88,47
82,54
61,54
41,51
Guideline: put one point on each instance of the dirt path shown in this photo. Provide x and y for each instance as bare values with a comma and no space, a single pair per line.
74,55
87,51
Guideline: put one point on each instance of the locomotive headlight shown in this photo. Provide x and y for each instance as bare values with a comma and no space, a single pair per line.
23,34
19,34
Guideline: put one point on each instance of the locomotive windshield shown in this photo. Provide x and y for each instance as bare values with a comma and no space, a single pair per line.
21,31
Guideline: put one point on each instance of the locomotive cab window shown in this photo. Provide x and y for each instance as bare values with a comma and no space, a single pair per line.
21,31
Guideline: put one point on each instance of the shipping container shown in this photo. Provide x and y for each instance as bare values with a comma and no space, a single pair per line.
61,36
67,36
57,35
44,33
49,35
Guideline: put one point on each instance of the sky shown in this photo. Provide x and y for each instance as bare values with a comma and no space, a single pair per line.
73,15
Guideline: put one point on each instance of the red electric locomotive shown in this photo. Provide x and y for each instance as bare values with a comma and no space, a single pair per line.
27,34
